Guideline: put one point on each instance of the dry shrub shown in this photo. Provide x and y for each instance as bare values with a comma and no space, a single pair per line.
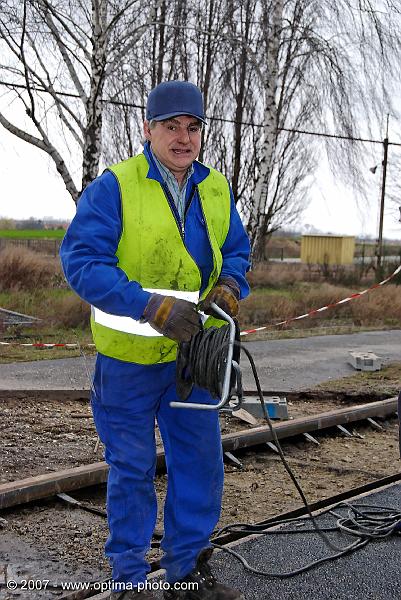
309,296
56,308
284,274
291,248
276,275
260,309
380,307
70,311
22,269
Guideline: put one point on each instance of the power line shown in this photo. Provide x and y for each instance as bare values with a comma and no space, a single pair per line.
210,118
36,89
336,136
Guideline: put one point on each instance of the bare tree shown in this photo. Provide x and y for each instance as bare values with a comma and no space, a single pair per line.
64,56
319,65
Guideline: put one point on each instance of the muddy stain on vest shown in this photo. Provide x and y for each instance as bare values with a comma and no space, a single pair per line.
161,256
174,282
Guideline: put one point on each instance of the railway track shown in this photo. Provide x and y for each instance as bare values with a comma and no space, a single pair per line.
248,442
43,486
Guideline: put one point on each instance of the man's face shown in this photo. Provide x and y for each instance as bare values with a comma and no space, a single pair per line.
175,142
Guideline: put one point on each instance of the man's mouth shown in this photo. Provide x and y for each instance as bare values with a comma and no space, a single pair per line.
178,151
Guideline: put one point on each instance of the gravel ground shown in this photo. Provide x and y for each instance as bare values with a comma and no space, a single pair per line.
54,539
50,435
41,436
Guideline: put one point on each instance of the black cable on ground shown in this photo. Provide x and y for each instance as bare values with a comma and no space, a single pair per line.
365,522
203,363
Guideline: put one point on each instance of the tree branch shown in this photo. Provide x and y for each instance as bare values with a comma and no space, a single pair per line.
118,16
57,15
46,147
48,87
63,51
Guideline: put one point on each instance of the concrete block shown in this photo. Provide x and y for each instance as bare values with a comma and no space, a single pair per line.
365,361
276,406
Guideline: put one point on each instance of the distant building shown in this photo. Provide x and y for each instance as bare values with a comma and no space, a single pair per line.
55,224
30,223
327,249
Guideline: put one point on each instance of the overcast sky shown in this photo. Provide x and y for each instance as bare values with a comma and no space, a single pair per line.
31,187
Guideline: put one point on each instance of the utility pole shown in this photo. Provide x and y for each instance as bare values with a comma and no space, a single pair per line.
379,248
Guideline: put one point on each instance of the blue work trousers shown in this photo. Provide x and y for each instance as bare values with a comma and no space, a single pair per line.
126,400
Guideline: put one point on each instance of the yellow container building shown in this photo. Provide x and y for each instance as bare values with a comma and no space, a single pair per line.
327,249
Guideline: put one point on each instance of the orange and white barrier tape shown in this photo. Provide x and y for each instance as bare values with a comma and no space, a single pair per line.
43,345
323,308
245,332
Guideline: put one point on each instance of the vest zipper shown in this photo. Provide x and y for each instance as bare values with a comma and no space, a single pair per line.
174,210
207,232
181,224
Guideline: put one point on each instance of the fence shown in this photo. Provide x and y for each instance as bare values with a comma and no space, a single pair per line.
42,246
363,255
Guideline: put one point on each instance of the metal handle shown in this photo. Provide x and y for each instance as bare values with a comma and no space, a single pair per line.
227,375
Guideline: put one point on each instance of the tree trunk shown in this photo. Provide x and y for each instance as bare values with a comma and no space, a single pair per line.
207,68
94,109
162,48
257,222
239,105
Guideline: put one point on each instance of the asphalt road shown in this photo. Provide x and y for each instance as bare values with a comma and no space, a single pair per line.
372,573
298,364
283,365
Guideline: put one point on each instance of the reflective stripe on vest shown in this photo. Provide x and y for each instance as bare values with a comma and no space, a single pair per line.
152,252
129,325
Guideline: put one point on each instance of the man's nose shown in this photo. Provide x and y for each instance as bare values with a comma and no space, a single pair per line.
183,135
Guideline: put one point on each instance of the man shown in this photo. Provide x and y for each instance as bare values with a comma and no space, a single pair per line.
152,236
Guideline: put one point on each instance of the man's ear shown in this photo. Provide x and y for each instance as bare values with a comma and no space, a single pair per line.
146,130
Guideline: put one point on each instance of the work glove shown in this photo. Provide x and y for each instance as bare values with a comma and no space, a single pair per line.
225,294
176,319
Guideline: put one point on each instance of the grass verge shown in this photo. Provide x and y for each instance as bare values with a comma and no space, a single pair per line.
32,234
15,352
34,284
385,381
333,329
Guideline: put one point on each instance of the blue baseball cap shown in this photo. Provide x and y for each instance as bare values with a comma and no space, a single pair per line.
174,98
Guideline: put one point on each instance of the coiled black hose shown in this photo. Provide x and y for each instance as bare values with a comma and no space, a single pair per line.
202,361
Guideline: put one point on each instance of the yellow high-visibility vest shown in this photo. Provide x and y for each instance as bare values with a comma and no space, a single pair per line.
152,252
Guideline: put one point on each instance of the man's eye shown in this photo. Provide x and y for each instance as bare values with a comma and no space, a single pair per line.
171,127
194,129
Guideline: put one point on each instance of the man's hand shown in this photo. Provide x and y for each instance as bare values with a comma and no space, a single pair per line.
176,319
225,294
